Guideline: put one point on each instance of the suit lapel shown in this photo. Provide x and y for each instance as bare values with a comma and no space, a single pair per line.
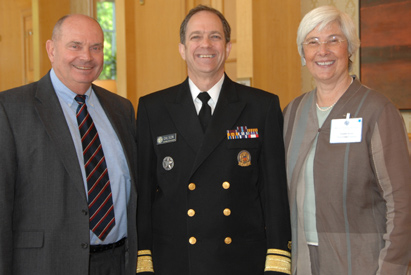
51,114
182,111
228,109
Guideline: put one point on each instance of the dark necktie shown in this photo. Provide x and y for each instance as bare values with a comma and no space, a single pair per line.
100,202
205,111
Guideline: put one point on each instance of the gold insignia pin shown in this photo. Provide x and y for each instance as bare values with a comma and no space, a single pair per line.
244,158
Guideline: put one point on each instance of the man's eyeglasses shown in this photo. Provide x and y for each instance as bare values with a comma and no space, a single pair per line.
331,43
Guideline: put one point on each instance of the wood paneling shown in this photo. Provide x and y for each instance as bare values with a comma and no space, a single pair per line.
386,49
11,43
276,66
158,63
244,31
45,15
28,46
151,60
126,49
148,37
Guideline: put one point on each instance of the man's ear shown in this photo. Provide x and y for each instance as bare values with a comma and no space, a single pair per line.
182,50
228,49
50,50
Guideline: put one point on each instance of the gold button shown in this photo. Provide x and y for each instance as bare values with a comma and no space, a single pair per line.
191,212
192,240
226,185
228,240
227,212
191,186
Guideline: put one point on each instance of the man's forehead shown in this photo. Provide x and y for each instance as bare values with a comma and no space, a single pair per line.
205,18
204,26
205,32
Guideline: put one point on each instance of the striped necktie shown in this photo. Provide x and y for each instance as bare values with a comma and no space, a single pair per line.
100,202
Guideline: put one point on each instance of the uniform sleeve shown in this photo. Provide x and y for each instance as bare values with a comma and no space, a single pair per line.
8,169
390,156
274,192
145,189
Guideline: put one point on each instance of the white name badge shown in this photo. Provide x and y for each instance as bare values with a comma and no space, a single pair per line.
347,130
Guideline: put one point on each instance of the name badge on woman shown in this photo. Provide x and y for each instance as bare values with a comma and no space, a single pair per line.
348,130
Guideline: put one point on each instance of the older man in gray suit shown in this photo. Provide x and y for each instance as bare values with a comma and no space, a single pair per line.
67,182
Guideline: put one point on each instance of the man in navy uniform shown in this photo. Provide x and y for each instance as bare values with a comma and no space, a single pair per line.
212,185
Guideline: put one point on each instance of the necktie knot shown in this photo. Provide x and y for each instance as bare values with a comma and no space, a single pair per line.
204,97
81,99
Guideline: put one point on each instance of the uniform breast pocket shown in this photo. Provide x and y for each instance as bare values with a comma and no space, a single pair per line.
245,152
251,143
166,156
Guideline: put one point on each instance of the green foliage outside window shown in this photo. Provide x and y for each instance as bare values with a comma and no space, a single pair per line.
106,18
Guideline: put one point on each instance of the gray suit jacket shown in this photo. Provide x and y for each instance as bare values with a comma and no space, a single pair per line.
44,226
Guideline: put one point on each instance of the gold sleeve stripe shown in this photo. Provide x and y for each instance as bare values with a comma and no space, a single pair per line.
144,261
279,252
143,252
278,264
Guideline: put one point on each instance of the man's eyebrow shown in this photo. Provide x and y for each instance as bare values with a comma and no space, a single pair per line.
97,44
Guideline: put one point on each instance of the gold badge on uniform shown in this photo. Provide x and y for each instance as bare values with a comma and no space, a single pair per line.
244,158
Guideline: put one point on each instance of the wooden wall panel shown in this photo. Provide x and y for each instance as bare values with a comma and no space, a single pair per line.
45,15
276,66
386,49
244,29
126,49
11,43
158,62
28,65
229,9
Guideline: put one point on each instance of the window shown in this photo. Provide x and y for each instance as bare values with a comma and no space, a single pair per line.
107,19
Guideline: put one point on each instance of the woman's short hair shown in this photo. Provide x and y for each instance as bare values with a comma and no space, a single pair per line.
322,16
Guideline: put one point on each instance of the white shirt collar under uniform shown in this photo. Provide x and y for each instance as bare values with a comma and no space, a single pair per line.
214,93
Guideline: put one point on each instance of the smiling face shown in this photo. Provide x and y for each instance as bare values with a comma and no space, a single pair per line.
76,52
327,65
205,50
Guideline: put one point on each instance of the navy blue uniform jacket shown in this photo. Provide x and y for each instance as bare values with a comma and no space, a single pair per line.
223,206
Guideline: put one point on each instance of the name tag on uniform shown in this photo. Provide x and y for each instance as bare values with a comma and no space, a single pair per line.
166,139
348,130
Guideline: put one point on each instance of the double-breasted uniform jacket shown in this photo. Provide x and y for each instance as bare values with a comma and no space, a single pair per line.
44,225
209,204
